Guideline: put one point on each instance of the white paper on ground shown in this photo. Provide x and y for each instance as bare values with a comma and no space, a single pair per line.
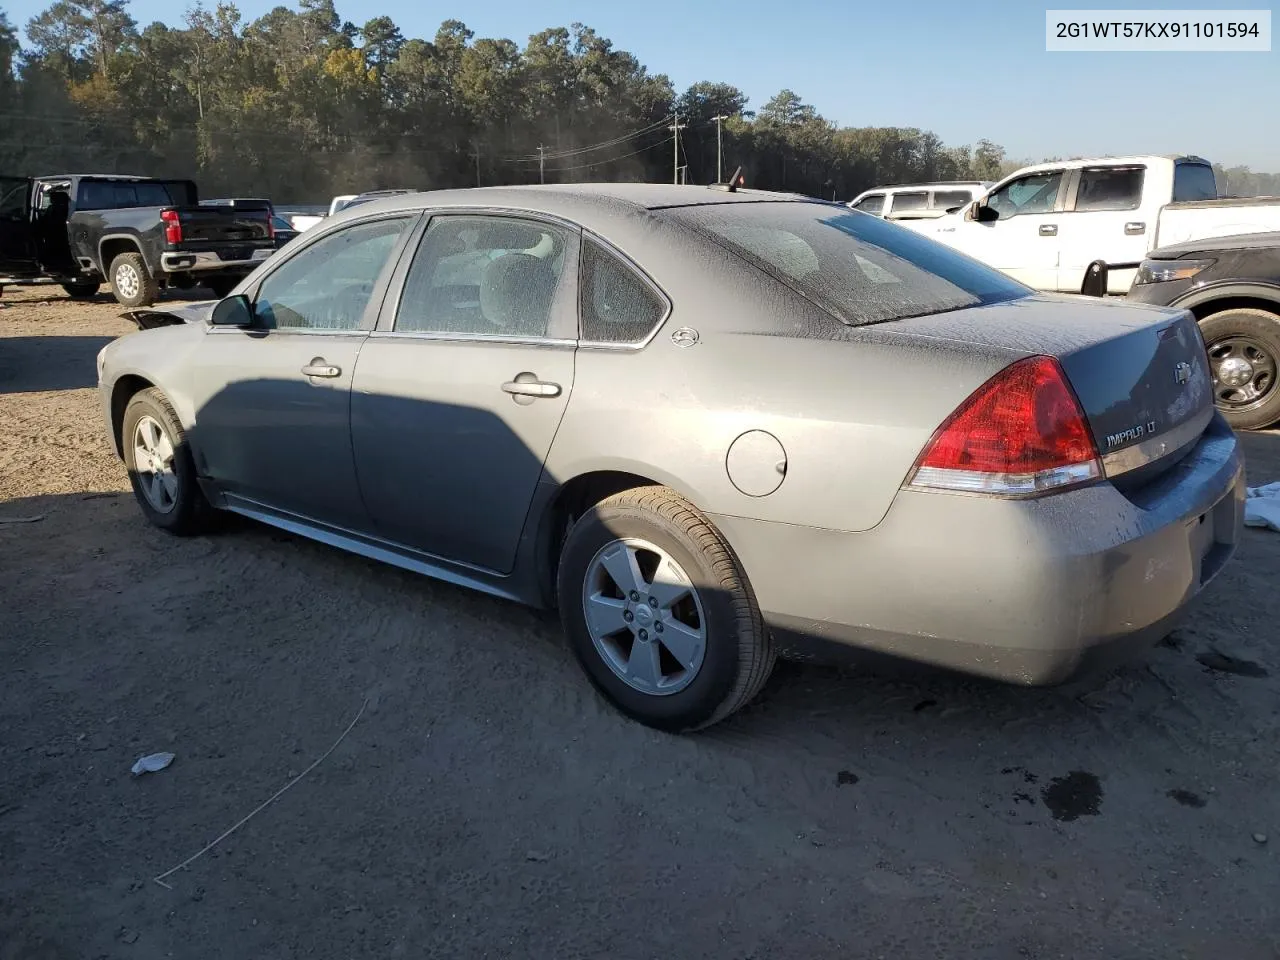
152,763
1262,506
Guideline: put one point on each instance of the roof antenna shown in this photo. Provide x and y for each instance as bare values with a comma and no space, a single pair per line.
737,180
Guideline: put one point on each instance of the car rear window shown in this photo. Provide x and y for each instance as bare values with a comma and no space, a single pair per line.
860,268
1193,181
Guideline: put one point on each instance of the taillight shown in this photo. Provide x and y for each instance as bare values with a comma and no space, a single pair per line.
172,226
1021,433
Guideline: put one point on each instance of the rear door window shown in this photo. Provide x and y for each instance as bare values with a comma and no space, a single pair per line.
946,199
909,202
1110,188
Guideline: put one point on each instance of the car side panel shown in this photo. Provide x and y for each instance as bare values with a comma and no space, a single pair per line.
850,417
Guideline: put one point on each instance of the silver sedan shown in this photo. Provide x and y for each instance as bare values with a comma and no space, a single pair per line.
710,426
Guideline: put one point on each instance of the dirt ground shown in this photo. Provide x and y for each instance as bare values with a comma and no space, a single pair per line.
487,804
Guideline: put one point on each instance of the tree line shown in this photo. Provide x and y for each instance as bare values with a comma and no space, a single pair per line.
299,105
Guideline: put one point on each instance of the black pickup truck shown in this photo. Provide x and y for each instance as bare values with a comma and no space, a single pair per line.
138,233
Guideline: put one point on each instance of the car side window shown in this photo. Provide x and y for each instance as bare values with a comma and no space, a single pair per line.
912,202
618,306
328,285
873,203
1110,188
484,276
1034,193
947,199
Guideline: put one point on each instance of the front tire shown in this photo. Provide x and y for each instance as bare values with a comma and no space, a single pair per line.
160,465
1244,356
82,291
659,613
131,283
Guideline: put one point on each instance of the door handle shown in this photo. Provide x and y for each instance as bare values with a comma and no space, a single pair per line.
1048,229
1135,228
531,388
319,367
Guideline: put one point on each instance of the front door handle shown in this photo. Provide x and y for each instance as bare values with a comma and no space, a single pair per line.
1048,229
1135,228
320,367
531,388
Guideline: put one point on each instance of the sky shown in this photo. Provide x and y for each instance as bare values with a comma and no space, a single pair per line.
963,70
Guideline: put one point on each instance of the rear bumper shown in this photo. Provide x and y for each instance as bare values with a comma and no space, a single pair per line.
178,261
1027,591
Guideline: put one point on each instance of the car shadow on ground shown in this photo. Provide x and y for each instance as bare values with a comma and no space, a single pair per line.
31,364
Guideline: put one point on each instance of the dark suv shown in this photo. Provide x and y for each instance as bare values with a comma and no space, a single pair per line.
1232,285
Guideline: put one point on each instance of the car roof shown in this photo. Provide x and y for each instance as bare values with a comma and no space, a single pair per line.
576,197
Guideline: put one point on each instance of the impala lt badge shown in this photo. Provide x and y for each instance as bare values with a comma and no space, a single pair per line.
1181,372
1136,432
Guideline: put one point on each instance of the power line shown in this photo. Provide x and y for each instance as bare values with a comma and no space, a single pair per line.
561,154
598,163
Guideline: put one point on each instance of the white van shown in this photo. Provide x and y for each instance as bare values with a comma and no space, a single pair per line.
919,201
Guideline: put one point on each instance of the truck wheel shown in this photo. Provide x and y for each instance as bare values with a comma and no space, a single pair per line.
82,291
221,286
132,285
659,613
1244,355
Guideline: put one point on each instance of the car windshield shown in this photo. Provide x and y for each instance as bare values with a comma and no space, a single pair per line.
860,268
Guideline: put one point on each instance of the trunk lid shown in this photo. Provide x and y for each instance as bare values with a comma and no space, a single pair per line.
1141,373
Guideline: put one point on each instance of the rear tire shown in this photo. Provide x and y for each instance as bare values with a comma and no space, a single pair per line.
1244,355
684,645
161,469
82,291
131,283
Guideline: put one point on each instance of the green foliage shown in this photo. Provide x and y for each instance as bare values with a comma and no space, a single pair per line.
298,105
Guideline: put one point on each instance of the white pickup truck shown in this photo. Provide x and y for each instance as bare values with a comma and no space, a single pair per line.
1045,224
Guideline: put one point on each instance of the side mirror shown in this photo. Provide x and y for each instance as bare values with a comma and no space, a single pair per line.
971,211
233,312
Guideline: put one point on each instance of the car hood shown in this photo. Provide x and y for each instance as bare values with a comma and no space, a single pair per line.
1238,241
197,312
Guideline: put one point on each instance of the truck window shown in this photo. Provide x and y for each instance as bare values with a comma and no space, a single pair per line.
1034,193
872,203
1193,181
1110,188
946,199
909,202
121,194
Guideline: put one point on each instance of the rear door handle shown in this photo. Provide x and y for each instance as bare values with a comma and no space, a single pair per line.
1135,228
320,367
1048,229
531,388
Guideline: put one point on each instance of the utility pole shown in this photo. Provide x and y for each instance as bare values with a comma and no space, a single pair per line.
475,149
542,178
719,118
675,128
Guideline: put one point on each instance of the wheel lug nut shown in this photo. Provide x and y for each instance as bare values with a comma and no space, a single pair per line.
653,602
644,634
627,616
657,627
634,596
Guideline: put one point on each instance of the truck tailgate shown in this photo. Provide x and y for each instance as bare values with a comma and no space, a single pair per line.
211,227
